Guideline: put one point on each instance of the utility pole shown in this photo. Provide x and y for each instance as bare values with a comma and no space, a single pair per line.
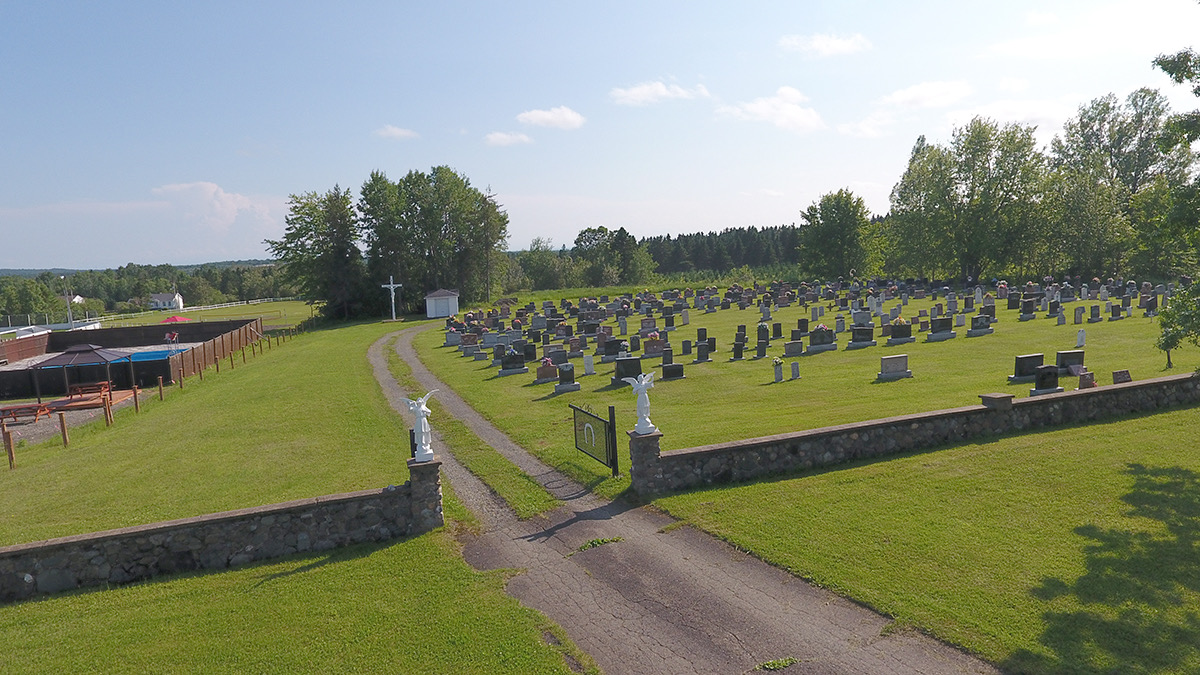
67,297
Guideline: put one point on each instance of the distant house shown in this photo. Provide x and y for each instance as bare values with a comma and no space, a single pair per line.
166,301
441,303
78,300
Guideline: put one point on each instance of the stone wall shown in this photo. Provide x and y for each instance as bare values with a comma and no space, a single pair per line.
653,473
221,540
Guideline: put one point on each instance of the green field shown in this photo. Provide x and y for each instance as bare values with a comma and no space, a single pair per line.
1070,550
725,401
273,314
303,419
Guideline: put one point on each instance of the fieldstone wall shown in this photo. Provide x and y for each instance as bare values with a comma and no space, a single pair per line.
653,473
221,540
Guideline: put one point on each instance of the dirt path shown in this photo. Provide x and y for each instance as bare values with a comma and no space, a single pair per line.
674,601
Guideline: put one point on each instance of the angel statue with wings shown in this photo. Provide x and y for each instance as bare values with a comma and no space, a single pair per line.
423,432
640,384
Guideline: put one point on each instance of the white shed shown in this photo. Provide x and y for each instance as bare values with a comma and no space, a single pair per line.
441,303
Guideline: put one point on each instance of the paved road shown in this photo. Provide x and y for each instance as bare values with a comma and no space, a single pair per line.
674,601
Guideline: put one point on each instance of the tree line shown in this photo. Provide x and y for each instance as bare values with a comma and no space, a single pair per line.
128,288
429,230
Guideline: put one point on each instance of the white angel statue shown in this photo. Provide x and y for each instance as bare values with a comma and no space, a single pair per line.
640,385
423,432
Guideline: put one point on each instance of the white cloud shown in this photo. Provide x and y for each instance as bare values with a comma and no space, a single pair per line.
1047,115
653,92
395,133
503,138
561,117
1012,85
209,206
825,45
784,110
875,125
1139,30
928,95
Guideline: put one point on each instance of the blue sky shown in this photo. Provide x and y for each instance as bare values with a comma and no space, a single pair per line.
174,133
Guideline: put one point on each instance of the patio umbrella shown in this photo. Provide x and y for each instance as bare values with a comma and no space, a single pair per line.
174,319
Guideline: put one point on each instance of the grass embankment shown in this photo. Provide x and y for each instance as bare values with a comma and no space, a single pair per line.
518,489
273,314
725,401
1071,550
303,419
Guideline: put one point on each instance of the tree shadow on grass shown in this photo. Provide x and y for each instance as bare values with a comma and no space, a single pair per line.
1133,610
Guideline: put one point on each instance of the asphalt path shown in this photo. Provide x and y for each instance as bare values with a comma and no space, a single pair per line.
665,598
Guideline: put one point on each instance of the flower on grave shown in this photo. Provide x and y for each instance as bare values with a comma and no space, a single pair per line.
899,321
777,361
547,362
652,336
762,324
822,327
987,295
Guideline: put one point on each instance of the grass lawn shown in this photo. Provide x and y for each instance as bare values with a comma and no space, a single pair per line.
406,607
274,314
724,400
1073,550
303,419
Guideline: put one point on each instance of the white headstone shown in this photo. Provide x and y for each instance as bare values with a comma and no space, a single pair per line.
1080,338
589,365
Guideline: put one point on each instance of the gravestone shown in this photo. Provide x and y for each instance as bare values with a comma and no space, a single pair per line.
1014,301
794,348
795,370
453,339
1028,307
673,371
626,367
941,329
1045,381
512,363
760,350
1080,338
821,341
893,368
557,357
737,351
776,331
1087,381
802,326
668,355
1065,359
1121,377
545,374
1026,367
860,337
1061,319
589,365
960,320
687,348
839,324
684,320
1079,310
1116,315
701,353
981,324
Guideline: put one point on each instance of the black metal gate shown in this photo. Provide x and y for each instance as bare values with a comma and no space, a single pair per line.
596,437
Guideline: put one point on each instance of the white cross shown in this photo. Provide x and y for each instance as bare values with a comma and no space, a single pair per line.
391,285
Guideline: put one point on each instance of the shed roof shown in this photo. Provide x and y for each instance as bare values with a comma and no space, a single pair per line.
442,293
83,355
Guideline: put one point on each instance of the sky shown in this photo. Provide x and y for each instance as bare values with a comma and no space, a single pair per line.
175,132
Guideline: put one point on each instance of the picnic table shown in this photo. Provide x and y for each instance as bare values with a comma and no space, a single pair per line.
89,389
20,410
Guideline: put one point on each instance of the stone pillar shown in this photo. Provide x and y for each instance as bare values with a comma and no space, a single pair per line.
425,485
645,470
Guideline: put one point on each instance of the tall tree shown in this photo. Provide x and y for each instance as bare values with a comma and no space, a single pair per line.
831,239
968,209
319,250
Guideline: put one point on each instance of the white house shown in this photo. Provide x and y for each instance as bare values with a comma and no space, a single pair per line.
166,301
441,303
